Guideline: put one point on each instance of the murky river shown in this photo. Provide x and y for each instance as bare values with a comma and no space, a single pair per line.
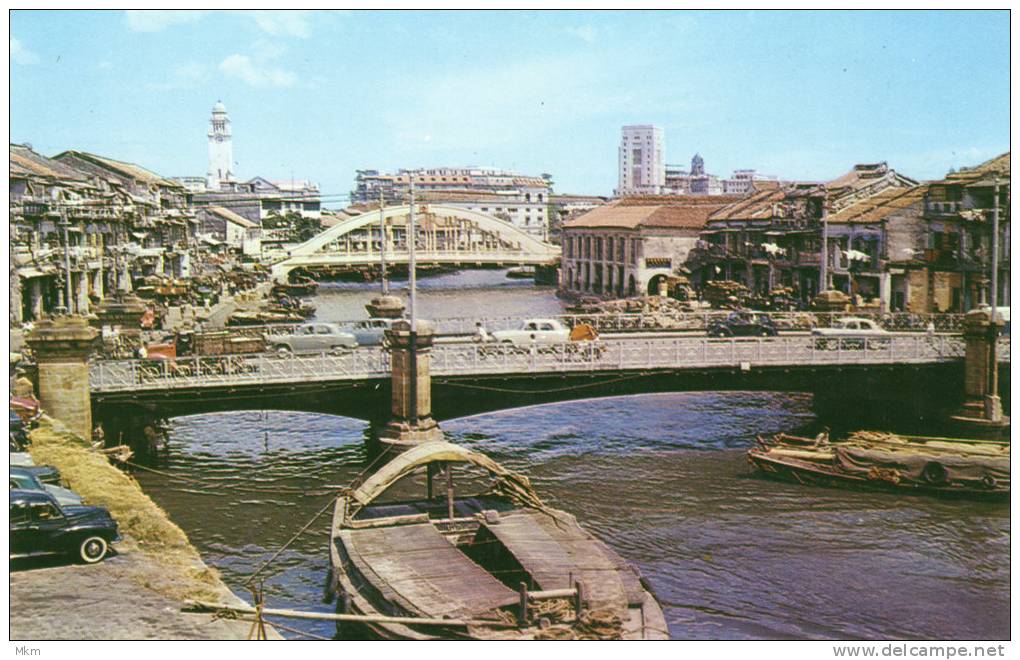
661,478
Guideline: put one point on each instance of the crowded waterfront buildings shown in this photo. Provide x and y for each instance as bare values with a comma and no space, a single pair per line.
892,243
118,221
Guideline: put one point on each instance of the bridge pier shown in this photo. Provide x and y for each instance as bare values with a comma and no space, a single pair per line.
411,402
62,346
981,414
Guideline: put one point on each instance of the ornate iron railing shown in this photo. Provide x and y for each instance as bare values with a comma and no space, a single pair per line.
467,358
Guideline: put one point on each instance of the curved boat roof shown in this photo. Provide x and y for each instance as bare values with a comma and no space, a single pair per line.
439,452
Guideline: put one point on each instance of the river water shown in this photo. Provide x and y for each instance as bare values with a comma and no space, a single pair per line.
661,478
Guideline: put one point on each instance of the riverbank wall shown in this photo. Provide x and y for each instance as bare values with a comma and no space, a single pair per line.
138,592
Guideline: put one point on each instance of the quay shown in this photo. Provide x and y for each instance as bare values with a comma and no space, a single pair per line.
139,591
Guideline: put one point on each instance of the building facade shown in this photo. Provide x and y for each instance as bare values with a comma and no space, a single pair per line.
642,160
628,246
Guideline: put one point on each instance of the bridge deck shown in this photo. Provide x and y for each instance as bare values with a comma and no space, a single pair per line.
605,356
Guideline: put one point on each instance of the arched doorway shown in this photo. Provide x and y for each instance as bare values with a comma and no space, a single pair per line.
653,284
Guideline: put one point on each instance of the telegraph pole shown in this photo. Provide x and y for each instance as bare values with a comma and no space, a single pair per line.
382,246
993,406
412,312
823,268
68,300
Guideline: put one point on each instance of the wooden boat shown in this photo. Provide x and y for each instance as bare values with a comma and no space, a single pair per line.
943,466
497,565
521,273
304,287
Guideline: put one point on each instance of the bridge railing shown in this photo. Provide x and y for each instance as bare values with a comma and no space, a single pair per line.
467,358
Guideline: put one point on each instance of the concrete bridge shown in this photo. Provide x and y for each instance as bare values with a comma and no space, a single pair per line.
444,235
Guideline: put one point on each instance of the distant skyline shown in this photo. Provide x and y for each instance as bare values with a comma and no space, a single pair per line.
317,95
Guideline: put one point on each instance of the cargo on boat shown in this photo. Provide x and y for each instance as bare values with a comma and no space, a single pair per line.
495,565
943,466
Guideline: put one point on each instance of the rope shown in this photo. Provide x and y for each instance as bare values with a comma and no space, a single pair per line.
288,543
212,484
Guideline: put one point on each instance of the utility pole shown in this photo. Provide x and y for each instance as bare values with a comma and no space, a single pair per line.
823,268
412,312
993,406
382,246
68,300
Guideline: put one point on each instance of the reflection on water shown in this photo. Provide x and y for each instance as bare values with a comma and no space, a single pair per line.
662,478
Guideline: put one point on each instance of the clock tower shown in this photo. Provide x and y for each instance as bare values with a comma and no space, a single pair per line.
221,152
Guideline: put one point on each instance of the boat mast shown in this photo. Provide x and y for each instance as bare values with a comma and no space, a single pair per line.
412,312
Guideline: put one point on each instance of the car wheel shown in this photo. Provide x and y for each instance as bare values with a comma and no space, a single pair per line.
93,549
283,351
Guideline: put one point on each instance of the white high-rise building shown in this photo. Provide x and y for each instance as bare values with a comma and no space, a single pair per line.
221,151
642,160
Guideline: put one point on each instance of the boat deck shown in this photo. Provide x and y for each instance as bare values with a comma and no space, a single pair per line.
417,566
555,553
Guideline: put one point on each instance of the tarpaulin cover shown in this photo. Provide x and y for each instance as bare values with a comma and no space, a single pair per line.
912,465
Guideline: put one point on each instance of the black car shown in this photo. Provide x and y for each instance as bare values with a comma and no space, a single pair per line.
743,324
40,526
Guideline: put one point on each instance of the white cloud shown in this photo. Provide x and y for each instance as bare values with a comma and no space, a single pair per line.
585,33
241,67
283,23
22,55
182,76
145,20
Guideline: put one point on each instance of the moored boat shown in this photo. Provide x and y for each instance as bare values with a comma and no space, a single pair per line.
942,466
499,564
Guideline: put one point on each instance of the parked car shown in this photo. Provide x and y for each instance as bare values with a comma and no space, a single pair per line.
40,526
850,332
370,332
45,473
312,338
24,479
743,324
539,331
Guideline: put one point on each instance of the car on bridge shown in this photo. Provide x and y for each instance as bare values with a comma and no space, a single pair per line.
537,331
370,332
41,526
312,338
743,324
851,332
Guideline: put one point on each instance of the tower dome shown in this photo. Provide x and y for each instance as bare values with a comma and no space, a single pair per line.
219,107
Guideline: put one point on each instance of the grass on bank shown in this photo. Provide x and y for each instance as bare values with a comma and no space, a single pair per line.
143,524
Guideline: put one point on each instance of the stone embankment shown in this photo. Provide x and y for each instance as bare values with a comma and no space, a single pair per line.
135,594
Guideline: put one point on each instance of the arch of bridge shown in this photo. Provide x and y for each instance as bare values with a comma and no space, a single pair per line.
526,243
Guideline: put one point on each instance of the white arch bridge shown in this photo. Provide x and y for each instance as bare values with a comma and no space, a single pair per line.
444,235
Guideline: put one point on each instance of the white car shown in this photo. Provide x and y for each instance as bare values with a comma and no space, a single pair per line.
312,338
538,331
850,332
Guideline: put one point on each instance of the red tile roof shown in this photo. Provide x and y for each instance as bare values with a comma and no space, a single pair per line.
671,212
878,207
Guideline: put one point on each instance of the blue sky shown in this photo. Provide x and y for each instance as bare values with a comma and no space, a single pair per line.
320,94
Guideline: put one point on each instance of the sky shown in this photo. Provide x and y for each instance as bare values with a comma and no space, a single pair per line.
318,95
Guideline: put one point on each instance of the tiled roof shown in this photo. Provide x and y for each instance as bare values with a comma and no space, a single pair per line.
673,212
230,216
877,207
32,163
998,165
864,174
758,206
131,170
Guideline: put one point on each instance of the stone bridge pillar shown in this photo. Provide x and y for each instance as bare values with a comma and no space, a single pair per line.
411,403
62,347
981,414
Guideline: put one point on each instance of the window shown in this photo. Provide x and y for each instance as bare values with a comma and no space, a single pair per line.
546,326
323,330
44,512
19,512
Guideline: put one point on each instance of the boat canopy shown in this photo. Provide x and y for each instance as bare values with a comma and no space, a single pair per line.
441,452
